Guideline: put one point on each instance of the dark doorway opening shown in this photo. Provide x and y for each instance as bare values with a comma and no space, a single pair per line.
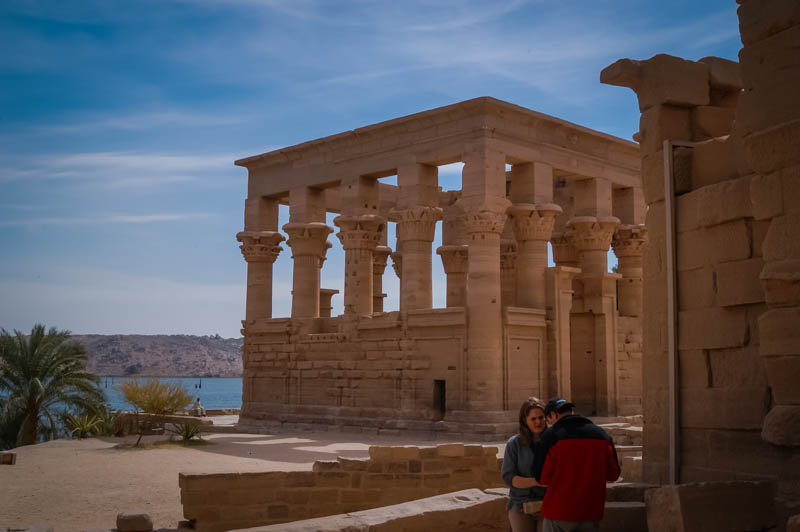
439,399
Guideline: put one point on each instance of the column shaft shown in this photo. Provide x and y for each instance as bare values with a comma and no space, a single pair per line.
416,228
359,236
260,249
309,245
533,227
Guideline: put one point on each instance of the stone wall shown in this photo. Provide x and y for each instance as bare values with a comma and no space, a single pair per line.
629,365
737,218
390,475
383,374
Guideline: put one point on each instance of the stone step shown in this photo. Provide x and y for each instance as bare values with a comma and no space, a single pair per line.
623,433
627,491
624,517
631,468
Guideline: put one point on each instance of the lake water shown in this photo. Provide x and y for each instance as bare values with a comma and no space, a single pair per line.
213,392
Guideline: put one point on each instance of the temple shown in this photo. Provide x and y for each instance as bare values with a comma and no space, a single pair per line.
512,327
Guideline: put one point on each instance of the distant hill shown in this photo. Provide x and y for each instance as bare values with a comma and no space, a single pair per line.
163,355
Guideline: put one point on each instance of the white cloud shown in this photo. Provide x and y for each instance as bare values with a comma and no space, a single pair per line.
107,219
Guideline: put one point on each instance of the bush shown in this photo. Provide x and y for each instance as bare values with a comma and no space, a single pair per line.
152,396
187,431
81,426
155,397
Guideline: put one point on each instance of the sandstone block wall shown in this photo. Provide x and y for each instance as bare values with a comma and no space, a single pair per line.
629,365
738,261
393,372
391,475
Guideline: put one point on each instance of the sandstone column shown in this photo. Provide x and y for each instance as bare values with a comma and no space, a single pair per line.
308,236
379,257
508,272
454,260
484,204
533,227
325,306
416,214
260,247
628,244
360,232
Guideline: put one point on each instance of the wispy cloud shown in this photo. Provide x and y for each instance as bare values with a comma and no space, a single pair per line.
129,121
107,219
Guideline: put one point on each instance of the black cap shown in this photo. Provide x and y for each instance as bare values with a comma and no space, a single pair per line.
558,405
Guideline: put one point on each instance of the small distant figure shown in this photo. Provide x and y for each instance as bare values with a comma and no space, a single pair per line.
197,408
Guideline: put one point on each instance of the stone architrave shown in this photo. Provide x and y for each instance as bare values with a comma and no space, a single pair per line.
359,236
379,257
309,246
260,249
454,261
628,244
533,227
415,231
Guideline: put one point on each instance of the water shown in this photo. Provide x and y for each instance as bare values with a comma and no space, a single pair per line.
213,392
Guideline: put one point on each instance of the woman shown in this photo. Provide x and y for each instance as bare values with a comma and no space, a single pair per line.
518,465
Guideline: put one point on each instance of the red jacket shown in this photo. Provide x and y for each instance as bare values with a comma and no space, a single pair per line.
576,460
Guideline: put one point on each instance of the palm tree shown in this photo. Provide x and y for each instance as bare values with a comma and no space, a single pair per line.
41,373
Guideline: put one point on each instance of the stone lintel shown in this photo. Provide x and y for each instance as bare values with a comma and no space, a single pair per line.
438,317
528,317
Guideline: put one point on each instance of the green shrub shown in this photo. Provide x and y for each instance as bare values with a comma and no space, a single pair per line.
186,431
155,397
81,426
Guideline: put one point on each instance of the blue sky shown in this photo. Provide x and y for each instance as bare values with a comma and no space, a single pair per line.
120,122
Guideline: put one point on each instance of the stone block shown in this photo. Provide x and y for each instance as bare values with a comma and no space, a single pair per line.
326,465
450,449
711,507
761,19
687,211
779,332
627,491
736,368
738,282
725,242
766,196
624,517
781,242
724,202
724,74
405,453
782,426
760,228
771,149
793,524
632,468
712,328
380,453
134,521
713,161
783,374
722,408
8,458
697,288
694,367
304,479
663,122
662,79
711,121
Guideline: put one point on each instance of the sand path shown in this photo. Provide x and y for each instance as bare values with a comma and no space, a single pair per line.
75,485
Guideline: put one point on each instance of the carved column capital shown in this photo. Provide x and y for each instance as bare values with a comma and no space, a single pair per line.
533,222
629,240
590,233
418,223
360,232
308,239
260,246
379,257
454,258
397,263
484,222
508,254
564,252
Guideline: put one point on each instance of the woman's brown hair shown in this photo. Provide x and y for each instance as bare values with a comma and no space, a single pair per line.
525,434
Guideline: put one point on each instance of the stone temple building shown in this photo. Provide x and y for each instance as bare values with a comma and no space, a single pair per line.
513,327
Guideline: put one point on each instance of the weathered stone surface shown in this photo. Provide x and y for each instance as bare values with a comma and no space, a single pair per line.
782,426
793,524
134,521
779,331
711,121
759,19
738,282
662,79
714,161
711,507
724,74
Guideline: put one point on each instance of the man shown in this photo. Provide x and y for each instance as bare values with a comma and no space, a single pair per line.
576,460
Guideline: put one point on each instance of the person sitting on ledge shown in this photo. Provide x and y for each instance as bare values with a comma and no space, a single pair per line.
197,408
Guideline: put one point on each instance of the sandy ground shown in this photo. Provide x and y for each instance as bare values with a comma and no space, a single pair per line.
75,485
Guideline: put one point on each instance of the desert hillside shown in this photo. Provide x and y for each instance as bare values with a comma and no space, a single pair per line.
163,355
